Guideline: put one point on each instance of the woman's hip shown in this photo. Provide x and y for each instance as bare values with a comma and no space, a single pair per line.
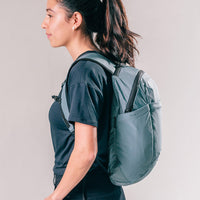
94,186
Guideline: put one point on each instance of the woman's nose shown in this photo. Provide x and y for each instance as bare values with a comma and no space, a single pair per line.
43,25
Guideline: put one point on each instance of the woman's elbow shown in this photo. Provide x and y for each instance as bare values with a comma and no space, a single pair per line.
90,156
87,156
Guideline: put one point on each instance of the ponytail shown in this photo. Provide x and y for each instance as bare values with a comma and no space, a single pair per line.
108,19
116,41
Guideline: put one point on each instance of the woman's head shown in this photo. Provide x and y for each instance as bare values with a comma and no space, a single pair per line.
106,18
91,11
58,29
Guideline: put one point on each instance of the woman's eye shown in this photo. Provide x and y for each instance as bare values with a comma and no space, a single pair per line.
50,15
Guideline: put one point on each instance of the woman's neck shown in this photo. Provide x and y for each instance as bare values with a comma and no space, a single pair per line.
79,46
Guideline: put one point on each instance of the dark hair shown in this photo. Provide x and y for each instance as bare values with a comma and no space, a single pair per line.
108,19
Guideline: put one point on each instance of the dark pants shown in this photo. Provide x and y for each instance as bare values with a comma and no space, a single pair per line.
94,186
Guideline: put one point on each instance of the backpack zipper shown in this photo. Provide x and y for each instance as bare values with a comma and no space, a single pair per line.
134,91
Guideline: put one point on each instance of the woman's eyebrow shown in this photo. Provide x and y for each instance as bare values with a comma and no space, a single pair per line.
49,9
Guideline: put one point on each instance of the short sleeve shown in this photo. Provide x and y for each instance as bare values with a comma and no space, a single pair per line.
85,103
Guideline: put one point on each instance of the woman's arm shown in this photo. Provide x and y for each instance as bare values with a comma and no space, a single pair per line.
81,159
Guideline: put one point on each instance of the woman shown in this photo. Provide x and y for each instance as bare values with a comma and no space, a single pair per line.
72,23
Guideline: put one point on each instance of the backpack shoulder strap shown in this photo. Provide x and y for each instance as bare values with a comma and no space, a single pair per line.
99,59
65,108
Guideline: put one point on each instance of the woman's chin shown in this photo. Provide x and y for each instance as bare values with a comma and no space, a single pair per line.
55,45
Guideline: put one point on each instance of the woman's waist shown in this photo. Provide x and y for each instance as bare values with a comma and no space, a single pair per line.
96,180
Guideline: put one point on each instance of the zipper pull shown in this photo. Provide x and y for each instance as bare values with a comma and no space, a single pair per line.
56,98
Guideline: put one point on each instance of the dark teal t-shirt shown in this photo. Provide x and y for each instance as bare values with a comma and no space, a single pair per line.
89,100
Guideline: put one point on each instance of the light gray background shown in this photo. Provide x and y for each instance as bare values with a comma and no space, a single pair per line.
31,71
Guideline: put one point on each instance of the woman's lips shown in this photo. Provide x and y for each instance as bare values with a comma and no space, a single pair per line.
48,35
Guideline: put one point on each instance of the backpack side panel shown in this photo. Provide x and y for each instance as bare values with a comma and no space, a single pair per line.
155,105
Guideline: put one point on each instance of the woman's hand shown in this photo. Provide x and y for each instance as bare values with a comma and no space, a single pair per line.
52,197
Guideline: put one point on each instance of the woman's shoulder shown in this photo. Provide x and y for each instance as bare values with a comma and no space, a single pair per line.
87,72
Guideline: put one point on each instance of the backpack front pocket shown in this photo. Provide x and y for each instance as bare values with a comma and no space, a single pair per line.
134,142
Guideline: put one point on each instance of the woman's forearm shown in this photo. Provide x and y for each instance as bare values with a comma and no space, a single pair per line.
77,167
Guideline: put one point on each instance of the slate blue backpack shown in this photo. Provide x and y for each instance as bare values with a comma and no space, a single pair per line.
135,134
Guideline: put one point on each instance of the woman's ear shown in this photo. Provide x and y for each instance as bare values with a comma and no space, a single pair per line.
77,20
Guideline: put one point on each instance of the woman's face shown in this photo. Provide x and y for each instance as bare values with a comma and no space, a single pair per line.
58,30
